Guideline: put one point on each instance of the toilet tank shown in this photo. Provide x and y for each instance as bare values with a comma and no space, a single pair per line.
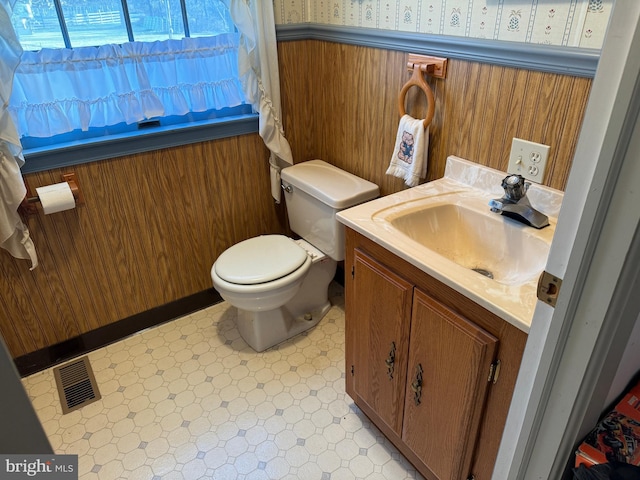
314,192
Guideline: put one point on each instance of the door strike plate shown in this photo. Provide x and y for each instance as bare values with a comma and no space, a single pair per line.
548,288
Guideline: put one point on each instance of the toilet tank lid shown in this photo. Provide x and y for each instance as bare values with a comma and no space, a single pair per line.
329,184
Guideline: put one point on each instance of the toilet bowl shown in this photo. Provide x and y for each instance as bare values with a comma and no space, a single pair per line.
280,285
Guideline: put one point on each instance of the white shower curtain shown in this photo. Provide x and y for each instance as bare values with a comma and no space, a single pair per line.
258,70
14,235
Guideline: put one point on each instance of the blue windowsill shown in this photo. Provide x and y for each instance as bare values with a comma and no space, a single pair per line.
148,139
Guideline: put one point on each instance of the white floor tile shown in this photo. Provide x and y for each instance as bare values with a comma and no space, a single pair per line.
190,400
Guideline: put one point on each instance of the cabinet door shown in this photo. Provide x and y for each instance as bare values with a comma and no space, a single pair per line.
381,310
454,356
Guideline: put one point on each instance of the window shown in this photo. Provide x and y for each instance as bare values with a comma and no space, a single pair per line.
81,23
112,67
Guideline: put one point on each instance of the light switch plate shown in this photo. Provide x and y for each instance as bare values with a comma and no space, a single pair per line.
528,159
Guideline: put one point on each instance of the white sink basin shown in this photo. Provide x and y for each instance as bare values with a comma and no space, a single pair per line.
484,242
446,229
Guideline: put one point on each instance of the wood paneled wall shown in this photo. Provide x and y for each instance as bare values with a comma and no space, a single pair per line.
148,232
340,104
153,223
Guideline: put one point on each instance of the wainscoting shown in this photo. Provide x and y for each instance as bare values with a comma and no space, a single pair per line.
340,104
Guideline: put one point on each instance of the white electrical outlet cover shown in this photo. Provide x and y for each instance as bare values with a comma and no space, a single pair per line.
528,159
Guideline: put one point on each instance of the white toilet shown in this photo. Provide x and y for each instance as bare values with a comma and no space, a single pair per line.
280,285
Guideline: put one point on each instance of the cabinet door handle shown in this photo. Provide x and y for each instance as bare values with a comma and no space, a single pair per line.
416,385
390,361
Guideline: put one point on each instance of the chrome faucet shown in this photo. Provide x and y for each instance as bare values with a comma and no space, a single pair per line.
515,204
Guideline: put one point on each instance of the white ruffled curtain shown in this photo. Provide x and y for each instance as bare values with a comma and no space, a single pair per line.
59,90
258,69
14,235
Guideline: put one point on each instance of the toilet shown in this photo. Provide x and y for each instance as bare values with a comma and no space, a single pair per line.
280,286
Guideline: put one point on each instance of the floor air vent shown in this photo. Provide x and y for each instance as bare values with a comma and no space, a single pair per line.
76,384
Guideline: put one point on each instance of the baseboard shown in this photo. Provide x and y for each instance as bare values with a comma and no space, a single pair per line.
339,276
50,356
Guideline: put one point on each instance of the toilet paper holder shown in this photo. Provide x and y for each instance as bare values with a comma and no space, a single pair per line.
28,204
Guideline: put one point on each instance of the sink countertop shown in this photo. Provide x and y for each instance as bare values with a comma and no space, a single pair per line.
470,184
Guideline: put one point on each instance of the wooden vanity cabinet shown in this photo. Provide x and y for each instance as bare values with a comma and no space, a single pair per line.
419,359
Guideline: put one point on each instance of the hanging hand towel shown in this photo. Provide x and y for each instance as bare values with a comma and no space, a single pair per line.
409,160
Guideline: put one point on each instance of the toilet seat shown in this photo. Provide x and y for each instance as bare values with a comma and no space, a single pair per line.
260,260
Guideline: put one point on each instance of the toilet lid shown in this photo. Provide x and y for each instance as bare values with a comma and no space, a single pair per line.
259,260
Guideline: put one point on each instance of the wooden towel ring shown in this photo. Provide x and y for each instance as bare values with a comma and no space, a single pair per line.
418,80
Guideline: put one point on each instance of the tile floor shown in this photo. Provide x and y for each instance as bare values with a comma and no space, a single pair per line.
190,400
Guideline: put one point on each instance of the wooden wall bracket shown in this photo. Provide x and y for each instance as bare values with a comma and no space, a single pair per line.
434,66
72,180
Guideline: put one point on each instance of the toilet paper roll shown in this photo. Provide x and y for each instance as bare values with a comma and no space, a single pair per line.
56,198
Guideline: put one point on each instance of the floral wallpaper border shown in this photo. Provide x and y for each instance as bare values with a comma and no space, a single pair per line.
572,23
